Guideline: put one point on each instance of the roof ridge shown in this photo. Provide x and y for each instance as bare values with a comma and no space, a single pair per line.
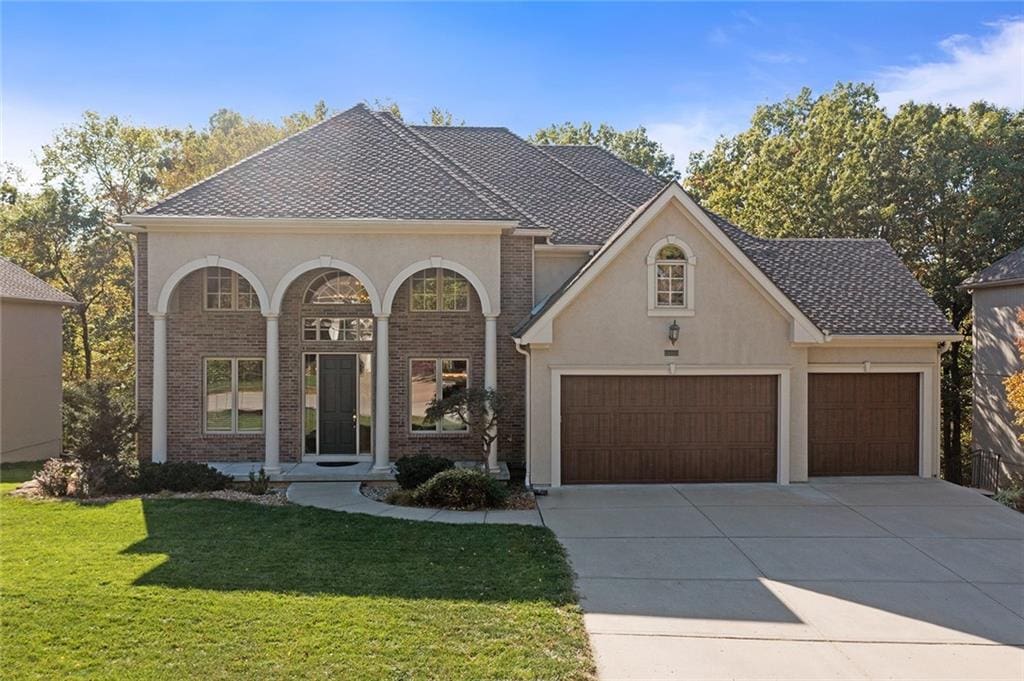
251,156
511,203
460,127
580,175
400,129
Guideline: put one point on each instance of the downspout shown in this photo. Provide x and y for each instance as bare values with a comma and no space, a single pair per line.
529,406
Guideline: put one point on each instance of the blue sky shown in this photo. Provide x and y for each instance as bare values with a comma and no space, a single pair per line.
689,72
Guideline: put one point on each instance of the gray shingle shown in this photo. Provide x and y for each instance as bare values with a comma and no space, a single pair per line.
16,283
604,168
1007,268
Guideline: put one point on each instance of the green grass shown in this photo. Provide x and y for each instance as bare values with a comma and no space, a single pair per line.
208,589
18,471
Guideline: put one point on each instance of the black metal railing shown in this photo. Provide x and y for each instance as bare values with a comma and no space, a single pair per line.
985,470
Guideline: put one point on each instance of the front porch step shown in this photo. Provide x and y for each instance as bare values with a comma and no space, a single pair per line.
310,472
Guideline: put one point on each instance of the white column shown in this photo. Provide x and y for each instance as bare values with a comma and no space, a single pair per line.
159,415
271,408
491,375
381,460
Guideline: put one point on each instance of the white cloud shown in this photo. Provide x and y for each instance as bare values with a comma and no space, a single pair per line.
989,68
692,132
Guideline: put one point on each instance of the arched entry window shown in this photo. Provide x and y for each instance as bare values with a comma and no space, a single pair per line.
336,288
670,279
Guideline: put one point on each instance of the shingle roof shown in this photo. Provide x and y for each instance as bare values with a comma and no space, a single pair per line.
1006,269
18,284
365,164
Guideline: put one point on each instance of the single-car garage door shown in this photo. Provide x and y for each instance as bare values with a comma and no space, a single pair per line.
629,429
862,424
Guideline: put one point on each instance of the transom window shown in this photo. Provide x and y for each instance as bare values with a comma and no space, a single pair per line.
340,329
435,378
337,288
233,394
438,290
671,277
225,289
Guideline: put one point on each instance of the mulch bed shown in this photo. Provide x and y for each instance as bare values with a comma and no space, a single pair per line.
519,499
31,490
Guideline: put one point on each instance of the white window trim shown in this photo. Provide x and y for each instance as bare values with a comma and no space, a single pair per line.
439,277
234,294
653,309
234,395
438,379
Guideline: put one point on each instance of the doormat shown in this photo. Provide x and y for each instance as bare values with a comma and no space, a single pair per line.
336,464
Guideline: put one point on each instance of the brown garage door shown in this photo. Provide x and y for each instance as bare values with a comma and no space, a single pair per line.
668,428
862,424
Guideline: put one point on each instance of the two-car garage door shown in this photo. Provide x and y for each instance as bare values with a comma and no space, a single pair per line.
635,429
631,429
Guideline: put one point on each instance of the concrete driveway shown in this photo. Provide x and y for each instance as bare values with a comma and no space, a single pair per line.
847,578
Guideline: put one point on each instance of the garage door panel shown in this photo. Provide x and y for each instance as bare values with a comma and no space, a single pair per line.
668,428
863,424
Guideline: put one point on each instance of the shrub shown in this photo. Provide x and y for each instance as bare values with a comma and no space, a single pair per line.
413,471
99,420
72,477
185,476
258,483
461,488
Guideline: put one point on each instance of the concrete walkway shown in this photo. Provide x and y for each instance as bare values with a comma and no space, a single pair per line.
346,497
865,578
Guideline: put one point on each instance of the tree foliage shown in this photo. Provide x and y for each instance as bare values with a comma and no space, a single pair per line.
1015,383
633,146
479,409
941,184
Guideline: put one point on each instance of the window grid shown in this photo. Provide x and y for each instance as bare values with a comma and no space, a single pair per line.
226,289
336,288
671,277
337,329
438,290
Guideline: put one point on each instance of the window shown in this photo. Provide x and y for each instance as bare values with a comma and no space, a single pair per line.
438,290
233,395
337,288
670,278
341,329
228,290
435,378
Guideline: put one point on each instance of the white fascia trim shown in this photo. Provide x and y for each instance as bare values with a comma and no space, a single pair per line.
891,341
970,288
567,249
803,329
782,443
521,231
128,229
928,424
318,225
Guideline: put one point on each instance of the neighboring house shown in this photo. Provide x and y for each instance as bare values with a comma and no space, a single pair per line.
306,303
30,365
998,296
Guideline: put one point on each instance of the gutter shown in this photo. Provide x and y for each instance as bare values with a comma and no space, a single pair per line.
526,353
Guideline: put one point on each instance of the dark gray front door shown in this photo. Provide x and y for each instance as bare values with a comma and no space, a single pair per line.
338,404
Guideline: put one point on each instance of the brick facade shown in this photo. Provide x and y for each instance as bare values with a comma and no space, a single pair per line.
194,333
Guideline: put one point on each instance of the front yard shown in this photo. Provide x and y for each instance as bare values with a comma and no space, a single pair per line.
213,589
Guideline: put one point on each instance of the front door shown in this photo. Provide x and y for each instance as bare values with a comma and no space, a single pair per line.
338,375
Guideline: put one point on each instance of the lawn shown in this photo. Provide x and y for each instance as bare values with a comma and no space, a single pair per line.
178,588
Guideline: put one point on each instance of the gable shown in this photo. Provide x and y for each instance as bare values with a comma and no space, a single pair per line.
539,329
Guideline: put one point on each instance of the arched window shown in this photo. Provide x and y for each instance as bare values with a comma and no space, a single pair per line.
336,288
670,278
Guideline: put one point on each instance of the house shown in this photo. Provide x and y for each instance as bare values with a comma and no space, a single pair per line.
30,365
997,293
306,303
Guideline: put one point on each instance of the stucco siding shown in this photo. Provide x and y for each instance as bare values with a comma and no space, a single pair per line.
734,327
30,376
995,358
553,269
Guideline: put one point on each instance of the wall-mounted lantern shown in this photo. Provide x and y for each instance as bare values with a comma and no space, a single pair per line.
673,332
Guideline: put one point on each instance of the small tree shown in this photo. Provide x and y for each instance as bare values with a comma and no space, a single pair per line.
480,409
1015,383
99,421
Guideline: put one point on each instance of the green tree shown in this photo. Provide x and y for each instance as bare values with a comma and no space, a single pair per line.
633,146
443,117
58,236
941,184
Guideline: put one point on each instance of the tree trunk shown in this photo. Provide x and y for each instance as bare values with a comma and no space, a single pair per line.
952,416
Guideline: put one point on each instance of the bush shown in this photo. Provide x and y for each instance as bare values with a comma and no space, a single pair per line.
461,488
72,477
99,420
185,476
258,484
413,471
